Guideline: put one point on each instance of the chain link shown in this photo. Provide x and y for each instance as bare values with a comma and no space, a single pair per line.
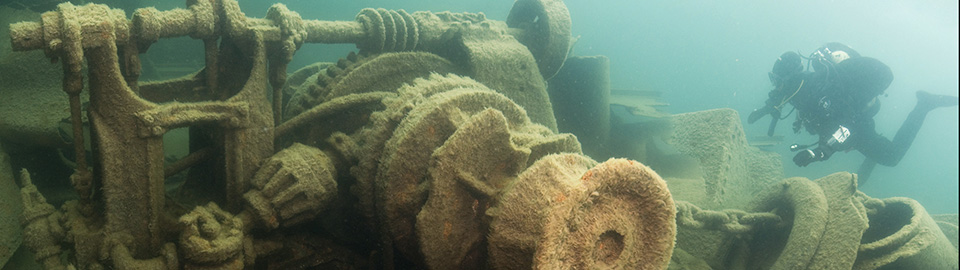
728,220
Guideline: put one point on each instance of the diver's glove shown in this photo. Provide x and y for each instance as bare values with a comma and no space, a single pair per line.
828,146
761,112
807,156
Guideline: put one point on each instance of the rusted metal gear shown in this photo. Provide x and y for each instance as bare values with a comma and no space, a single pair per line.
417,153
567,212
402,180
387,72
450,225
546,25
467,173
374,136
357,74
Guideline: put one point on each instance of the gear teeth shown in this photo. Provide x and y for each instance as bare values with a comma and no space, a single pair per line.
332,71
322,81
326,79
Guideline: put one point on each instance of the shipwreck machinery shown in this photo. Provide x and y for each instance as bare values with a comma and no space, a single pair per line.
435,146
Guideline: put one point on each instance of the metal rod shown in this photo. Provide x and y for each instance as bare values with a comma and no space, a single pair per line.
188,161
327,108
210,57
73,84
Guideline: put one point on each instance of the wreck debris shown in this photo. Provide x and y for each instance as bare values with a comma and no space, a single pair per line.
801,204
211,236
948,224
580,94
41,225
435,155
732,171
846,222
820,224
549,32
902,235
824,220
11,208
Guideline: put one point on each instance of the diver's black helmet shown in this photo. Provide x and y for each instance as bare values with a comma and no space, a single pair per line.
787,66
829,55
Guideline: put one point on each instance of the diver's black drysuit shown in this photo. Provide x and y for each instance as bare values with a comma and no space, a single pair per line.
837,103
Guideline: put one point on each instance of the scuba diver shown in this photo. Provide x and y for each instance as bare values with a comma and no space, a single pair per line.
836,97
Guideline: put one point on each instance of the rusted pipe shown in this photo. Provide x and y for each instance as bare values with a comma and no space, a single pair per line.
82,179
188,161
278,78
328,108
378,30
210,57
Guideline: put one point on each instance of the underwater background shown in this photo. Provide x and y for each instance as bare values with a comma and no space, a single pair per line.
703,55
716,54
712,54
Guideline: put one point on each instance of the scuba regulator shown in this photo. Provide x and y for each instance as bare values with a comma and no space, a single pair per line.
785,72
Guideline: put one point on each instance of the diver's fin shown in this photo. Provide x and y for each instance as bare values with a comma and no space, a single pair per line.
928,101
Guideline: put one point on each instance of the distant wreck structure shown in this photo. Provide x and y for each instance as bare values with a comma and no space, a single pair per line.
442,144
